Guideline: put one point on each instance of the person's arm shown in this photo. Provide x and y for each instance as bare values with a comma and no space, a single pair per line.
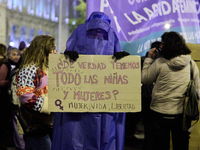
32,88
117,47
71,42
149,70
3,74
117,53
196,78
69,51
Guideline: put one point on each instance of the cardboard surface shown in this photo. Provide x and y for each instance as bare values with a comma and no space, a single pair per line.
94,83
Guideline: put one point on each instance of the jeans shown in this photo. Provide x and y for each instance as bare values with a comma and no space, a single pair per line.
162,125
38,143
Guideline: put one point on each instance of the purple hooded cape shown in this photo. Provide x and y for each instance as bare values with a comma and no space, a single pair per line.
90,131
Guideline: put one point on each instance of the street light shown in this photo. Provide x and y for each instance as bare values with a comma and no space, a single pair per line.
167,26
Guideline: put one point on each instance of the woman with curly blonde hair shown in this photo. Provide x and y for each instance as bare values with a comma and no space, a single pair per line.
38,51
32,85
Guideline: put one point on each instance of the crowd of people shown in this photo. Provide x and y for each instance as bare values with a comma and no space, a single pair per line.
9,62
164,77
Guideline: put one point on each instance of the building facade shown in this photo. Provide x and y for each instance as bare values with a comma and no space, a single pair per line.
22,20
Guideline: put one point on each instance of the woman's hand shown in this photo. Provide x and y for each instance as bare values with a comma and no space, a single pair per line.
152,53
72,55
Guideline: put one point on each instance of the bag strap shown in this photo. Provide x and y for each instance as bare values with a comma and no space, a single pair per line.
191,78
191,71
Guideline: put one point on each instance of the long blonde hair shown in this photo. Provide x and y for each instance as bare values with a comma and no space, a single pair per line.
38,51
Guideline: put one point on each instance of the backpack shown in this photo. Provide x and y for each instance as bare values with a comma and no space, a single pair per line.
190,109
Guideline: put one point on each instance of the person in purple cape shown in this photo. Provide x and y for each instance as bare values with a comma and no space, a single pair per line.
91,131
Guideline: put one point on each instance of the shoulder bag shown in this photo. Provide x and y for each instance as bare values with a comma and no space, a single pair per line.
33,122
190,109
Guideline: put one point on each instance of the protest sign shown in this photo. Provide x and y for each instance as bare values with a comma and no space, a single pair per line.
94,83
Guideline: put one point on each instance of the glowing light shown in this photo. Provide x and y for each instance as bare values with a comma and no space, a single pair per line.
11,43
74,22
32,11
167,26
56,19
66,20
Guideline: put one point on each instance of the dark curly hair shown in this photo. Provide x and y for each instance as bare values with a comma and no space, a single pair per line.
155,44
173,45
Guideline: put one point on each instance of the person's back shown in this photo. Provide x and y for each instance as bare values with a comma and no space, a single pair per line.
171,74
172,80
146,101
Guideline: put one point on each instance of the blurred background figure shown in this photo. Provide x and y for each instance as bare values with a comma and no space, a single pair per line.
146,100
5,107
3,54
13,57
22,47
4,117
17,135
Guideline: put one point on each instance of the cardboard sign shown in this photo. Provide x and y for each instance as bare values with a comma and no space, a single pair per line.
94,83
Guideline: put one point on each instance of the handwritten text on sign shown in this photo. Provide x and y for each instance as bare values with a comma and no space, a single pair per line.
94,83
